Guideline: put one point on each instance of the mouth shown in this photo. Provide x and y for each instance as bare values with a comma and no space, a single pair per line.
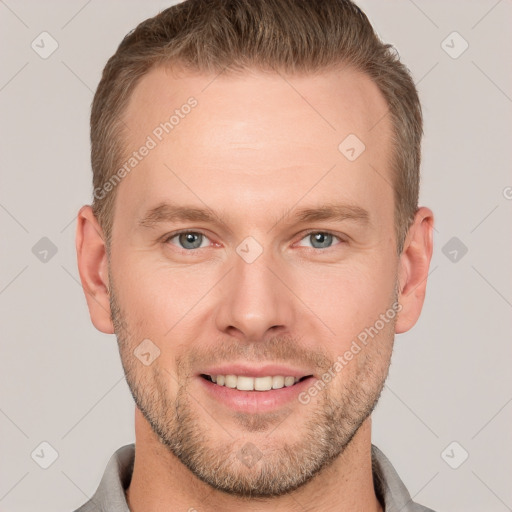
255,389
249,383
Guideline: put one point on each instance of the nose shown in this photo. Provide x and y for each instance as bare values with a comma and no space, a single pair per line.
254,301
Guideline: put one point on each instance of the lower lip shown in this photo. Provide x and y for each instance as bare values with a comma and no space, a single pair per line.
255,401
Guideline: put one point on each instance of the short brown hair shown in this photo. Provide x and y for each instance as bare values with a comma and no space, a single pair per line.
292,36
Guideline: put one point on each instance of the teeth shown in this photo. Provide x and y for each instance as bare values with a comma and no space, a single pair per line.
244,383
263,383
277,382
289,381
230,381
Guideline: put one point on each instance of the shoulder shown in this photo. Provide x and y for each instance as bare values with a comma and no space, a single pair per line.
389,487
110,494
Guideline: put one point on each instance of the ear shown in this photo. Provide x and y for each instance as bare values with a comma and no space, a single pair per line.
93,268
413,269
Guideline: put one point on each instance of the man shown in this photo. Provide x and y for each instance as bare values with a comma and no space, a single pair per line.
254,243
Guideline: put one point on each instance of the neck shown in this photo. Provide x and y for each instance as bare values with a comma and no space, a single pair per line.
161,482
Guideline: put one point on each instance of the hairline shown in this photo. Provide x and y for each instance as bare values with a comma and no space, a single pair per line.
180,66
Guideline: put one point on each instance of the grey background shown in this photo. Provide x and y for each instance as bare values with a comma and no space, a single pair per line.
61,380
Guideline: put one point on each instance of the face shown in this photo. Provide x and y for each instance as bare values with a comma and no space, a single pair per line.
249,251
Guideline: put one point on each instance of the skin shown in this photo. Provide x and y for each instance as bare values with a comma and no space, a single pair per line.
254,150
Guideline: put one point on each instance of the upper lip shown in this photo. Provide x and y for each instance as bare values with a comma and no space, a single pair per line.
256,371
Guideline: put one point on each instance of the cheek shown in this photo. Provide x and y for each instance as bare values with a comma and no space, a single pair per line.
157,296
348,298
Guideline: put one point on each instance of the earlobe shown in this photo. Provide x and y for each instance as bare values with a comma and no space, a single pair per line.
413,269
93,269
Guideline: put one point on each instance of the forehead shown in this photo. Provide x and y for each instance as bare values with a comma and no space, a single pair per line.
263,135
255,103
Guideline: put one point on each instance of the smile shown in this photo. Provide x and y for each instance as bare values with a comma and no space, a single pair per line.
247,383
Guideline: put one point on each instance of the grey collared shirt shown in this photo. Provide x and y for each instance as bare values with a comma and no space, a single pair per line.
110,495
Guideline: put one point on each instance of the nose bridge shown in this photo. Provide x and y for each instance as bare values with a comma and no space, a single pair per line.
253,300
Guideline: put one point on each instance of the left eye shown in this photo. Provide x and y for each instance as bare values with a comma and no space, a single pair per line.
320,239
189,240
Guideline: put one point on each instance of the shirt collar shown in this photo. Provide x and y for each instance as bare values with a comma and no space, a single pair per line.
110,495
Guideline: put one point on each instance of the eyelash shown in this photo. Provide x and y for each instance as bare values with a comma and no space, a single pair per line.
169,237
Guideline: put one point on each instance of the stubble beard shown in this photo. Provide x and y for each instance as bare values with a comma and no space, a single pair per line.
332,422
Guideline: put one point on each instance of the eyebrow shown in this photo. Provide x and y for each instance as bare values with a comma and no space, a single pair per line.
170,212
